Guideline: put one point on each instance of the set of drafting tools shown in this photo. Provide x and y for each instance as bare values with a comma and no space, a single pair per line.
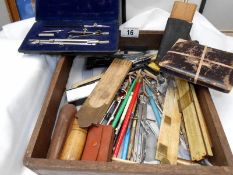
86,35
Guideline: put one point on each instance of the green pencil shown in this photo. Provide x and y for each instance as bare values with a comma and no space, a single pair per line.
121,109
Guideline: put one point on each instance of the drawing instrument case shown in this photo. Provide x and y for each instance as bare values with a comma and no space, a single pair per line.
73,15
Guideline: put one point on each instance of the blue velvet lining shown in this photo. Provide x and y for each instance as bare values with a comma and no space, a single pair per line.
77,9
70,15
38,27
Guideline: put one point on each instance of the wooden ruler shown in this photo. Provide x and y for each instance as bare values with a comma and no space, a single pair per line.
89,80
183,11
197,135
199,143
201,120
168,141
101,97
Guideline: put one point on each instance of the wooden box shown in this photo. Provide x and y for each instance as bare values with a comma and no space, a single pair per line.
35,157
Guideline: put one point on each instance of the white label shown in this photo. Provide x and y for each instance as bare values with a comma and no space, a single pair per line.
130,32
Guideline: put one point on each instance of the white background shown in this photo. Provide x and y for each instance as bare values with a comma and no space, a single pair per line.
219,12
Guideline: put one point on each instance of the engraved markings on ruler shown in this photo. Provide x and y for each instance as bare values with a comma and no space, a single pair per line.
202,123
197,135
101,97
168,141
195,140
110,78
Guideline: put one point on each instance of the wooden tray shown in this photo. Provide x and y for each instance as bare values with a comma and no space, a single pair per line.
35,157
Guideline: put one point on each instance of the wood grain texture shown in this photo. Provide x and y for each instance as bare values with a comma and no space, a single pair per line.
147,40
202,124
105,151
37,148
99,143
93,143
94,108
190,117
168,140
12,10
66,116
221,149
196,144
132,137
58,167
183,11
86,81
75,142
186,162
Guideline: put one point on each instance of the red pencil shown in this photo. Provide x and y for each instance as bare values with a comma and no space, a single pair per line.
126,120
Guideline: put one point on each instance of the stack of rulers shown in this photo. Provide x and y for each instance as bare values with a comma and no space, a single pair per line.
182,112
181,108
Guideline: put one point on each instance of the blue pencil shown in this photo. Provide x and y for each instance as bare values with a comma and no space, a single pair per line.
154,106
125,144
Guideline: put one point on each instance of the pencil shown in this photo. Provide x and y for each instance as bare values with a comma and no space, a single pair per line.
127,118
153,105
121,109
126,143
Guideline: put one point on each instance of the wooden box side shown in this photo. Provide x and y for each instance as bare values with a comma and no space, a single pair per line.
218,138
35,157
59,167
148,40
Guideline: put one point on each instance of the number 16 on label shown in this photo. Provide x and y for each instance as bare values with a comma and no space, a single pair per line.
130,32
